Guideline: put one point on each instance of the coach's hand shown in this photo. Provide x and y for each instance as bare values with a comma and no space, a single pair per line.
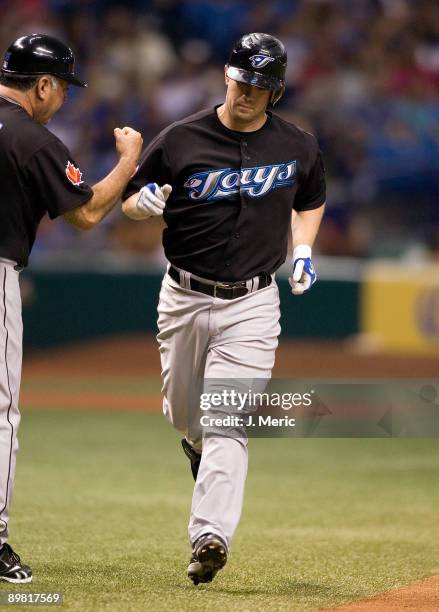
304,275
128,145
152,199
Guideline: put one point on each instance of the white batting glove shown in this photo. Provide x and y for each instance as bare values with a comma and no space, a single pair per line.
304,275
152,199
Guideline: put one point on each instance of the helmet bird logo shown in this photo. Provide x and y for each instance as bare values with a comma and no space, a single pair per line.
259,60
74,174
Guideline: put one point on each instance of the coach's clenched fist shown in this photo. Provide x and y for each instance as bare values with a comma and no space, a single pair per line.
128,144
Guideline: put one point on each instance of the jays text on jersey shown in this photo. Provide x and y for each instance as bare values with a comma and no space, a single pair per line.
37,175
233,192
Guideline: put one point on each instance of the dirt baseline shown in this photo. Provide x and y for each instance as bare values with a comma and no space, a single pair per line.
421,595
139,356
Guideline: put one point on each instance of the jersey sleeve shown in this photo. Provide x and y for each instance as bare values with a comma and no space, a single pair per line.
55,179
154,167
312,190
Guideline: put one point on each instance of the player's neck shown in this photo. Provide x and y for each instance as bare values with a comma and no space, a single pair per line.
19,97
233,123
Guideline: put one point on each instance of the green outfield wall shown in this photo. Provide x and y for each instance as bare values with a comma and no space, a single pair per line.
63,307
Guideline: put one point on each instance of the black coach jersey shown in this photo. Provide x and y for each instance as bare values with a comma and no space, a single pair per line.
37,175
229,213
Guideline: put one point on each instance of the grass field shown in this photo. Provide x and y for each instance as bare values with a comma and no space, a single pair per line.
102,499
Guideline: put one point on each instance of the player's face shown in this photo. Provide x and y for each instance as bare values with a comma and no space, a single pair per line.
51,93
245,102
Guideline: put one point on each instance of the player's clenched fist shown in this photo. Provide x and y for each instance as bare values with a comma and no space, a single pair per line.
304,275
128,143
150,201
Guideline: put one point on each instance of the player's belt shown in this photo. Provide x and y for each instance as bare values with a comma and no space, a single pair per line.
9,262
224,291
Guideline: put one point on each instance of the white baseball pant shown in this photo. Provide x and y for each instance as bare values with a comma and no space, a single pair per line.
11,334
202,337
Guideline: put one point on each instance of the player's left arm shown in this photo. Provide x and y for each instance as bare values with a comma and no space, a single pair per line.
309,206
304,227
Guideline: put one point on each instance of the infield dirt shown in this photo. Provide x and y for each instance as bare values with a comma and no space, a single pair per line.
421,595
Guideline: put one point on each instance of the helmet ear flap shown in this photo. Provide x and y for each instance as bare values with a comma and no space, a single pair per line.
276,95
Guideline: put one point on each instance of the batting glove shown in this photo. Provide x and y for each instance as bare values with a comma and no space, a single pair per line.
152,199
304,275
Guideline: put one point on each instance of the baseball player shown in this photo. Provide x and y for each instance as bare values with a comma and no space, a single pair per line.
38,176
241,177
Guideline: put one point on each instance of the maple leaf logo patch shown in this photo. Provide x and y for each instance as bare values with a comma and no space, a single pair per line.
74,174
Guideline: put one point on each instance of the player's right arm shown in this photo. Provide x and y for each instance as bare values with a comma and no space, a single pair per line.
150,201
143,196
108,191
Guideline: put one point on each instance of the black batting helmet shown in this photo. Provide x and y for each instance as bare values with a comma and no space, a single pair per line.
40,54
261,60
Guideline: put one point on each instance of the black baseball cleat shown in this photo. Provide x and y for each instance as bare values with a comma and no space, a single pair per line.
11,568
209,555
193,456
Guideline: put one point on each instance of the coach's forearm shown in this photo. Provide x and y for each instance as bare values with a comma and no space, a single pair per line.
305,225
105,195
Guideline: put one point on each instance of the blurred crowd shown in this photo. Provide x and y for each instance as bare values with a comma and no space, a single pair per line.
363,76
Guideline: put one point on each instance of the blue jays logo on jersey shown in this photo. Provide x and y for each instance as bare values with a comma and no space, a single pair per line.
260,60
226,183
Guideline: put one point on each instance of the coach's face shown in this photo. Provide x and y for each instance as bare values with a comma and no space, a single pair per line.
50,93
246,102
